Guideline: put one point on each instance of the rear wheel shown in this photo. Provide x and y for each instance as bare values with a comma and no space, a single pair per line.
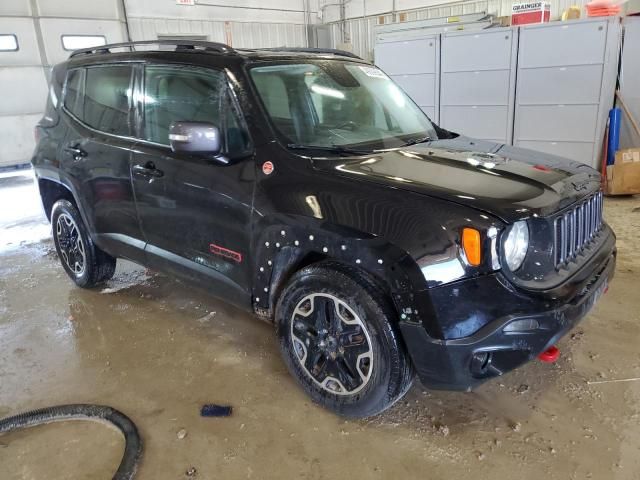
84,262
337,338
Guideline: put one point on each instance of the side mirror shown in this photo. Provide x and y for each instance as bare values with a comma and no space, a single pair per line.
196,138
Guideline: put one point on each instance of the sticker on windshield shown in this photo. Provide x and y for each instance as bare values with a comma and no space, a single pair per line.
373,72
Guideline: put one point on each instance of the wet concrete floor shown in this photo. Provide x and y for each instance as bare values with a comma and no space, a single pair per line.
158,349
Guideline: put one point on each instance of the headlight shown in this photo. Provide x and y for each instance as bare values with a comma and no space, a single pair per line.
516,245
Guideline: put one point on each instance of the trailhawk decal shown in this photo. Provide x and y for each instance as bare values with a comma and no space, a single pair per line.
225,252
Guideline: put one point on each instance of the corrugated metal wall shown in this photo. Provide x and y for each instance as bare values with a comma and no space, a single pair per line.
253,24
39,26
239,34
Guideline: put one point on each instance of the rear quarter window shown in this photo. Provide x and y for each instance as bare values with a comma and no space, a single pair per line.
74,92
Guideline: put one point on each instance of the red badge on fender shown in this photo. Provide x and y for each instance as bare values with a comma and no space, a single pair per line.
267,168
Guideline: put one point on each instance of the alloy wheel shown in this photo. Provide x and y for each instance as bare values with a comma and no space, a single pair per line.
332,344
72,249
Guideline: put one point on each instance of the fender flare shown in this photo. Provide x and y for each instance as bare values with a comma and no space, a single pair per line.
68,186
281,250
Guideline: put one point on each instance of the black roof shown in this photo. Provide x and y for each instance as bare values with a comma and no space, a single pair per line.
216,48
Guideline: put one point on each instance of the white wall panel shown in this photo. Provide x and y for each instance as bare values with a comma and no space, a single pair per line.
273,11
16,136
54,28
267,35
27,88
24,74
15,7
102,9
24,30
150,28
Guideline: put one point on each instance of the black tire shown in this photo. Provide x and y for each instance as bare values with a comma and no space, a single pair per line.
83,261
382,373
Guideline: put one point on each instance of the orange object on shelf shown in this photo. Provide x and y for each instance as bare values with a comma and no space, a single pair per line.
603,8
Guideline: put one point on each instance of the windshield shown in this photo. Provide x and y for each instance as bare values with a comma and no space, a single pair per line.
341,104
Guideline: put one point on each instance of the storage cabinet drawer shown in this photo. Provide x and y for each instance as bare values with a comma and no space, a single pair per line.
580,151
484,122
475,88
478,51
409,56
575,84
422,88
574,123
571,43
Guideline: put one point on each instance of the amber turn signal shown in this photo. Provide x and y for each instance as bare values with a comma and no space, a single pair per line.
471,245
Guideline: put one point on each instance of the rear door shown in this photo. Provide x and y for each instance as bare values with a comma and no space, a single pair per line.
195,212
96,154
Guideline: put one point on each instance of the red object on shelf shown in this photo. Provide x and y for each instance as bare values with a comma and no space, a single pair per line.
550,355
530,12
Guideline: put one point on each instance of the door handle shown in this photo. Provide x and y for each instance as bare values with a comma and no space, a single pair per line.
147,170
75,152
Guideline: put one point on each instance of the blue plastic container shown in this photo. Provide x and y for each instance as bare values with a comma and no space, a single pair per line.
615,117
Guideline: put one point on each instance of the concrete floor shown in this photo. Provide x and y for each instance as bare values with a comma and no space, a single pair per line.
158,349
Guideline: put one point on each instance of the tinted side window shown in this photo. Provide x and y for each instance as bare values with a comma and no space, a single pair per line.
178,94
108,98
74,92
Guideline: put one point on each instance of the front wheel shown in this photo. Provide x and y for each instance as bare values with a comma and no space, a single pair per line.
336,334
84,262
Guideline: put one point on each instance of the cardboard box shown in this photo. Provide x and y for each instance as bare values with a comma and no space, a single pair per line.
623,177
530,12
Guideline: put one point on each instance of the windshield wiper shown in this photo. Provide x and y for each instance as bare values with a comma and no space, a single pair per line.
415,141
339,149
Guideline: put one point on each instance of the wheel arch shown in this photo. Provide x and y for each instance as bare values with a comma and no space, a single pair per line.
281,251
51,191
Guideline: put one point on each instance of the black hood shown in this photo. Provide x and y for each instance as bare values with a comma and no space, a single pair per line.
509,182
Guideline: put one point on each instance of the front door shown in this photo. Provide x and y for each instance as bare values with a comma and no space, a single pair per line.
195,211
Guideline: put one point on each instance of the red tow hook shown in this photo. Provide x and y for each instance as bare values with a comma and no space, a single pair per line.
550,355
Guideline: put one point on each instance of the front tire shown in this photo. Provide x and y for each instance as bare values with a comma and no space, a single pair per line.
84,262
336,335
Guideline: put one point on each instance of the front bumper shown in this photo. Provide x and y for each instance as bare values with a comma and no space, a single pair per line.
463,363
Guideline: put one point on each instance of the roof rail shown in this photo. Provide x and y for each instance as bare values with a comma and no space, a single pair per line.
332,51
179,44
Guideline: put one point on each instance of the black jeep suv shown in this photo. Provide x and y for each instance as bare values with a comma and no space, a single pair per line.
304,186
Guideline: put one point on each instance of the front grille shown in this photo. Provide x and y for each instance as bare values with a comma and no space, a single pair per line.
575,229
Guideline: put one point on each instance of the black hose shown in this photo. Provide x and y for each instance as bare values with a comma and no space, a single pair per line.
97,413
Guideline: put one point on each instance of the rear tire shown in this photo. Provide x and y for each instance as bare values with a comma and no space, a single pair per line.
83,261
336,332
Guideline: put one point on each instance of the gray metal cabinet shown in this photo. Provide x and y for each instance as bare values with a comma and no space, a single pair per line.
566,79
414,65
477,83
